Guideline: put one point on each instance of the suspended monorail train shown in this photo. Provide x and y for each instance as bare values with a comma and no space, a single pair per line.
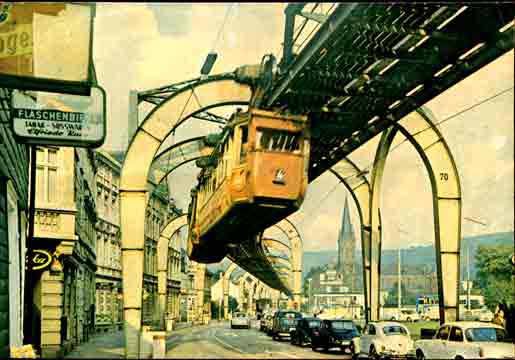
256,176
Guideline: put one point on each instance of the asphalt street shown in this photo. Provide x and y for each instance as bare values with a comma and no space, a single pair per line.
218,340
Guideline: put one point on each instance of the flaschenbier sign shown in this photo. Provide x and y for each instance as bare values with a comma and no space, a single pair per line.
49,122
57,119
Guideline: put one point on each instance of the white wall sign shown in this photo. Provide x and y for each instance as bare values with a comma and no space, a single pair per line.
59,119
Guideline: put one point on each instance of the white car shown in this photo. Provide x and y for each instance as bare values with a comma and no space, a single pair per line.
478,315
466,340
406,315
384,338
240,320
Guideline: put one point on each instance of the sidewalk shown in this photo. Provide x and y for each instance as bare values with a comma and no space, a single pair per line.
101,346
109,345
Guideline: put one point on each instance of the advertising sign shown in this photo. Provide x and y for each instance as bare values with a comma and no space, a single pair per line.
59,119
34,36
38,259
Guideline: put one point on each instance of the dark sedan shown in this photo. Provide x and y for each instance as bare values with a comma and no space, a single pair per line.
335,333
304,331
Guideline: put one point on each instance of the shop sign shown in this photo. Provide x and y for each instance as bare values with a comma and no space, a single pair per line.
39,259
59,119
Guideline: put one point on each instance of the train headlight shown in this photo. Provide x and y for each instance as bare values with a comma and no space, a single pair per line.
280,176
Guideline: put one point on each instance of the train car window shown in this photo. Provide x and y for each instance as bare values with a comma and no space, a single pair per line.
243,148
278,140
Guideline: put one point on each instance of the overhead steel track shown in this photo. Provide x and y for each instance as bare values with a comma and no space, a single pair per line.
369,65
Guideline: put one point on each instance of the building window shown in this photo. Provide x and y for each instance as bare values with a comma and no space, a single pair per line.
46,175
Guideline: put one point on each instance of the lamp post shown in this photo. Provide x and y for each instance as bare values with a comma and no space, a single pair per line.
474,221
399,275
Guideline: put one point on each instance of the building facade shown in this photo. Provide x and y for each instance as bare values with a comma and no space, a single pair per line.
14,180
109,306
65,218
159,213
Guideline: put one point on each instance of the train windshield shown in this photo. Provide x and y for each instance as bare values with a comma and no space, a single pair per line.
278,140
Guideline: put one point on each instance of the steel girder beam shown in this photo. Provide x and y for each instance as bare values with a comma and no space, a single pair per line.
290,12
357,184
311,49
153,131
451,68
419,129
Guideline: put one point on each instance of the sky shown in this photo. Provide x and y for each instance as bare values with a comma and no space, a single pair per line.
144,46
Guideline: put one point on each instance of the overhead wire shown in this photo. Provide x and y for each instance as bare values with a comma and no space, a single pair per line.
221,27
368,167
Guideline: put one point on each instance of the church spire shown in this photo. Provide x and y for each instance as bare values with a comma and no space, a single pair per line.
346,244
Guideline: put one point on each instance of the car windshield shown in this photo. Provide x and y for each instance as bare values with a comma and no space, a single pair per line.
291,315
394,330
314,323
288,321
486,334
342,325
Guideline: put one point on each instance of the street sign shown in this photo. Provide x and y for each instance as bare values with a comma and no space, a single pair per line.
59,119
47,46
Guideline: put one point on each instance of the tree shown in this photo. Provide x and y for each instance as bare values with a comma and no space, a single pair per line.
408,297
495,274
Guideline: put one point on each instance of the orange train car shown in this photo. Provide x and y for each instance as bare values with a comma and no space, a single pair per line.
256,176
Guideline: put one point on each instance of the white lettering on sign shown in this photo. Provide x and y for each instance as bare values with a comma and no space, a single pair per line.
51,123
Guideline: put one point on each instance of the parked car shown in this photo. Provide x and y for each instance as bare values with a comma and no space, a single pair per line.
335,333
304,330
466,340
482,314
384,338
284,323
406,315
240,320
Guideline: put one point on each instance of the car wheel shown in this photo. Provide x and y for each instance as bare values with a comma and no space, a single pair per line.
420,355
352,350
372,354
313,347
408,319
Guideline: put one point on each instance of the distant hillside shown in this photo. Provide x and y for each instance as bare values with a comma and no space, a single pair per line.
412,258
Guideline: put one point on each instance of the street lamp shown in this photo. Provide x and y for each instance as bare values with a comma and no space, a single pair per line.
474,221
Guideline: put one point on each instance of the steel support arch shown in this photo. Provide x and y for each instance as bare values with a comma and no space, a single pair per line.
353,178
143,147
162,262
287,227
420,130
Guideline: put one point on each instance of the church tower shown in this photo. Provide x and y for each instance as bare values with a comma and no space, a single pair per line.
346,248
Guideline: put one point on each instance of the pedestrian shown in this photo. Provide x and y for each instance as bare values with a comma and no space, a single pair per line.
499,316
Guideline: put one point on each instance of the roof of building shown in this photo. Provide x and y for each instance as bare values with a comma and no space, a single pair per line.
104,154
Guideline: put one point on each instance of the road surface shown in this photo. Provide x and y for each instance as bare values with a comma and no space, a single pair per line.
218,341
